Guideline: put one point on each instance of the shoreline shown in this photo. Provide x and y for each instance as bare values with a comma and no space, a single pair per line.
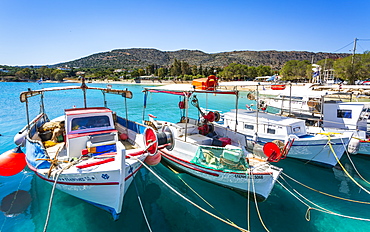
245,86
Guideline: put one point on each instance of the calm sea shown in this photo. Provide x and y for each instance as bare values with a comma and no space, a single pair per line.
284,210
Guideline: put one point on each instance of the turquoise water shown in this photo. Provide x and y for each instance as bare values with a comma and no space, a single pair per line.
166,211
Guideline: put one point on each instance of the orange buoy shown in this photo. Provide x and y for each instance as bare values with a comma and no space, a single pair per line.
153,160
12,162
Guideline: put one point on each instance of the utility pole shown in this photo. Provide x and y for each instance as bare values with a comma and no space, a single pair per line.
352,78
354,51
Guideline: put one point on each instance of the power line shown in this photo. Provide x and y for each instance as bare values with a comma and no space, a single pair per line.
344,47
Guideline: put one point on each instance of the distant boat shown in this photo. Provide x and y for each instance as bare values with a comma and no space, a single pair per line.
278,87
90,153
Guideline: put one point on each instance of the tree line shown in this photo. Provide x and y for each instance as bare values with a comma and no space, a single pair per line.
350,68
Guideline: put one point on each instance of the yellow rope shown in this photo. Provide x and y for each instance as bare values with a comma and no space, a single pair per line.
188,200
327,194
320,209
353,165
344,169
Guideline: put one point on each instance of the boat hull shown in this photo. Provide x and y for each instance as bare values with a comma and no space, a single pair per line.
263,181
102,188
317,151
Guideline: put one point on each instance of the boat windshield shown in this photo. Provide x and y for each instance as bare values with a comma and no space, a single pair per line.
90,122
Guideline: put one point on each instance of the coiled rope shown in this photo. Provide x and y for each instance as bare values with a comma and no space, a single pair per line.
188,200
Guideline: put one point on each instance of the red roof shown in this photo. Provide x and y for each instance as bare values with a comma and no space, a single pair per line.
76,111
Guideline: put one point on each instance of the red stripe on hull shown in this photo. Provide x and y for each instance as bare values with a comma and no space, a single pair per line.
186,164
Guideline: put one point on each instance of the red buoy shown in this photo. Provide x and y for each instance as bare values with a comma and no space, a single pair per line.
150,140
12,162
272,151
153,160
123,136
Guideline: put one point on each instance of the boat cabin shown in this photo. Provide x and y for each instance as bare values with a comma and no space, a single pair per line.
346,115
92,128
250,122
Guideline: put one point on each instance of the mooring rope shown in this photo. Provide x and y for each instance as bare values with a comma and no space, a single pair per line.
341,165
52,193
196,193
353,165
248,207
141,204
255,202
319,208
188,200
324,193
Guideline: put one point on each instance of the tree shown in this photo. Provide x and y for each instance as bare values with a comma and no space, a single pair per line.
23,74
353,68
60,76
141,72
176,68
185,68
234,71
150,69
161,72
194,70
264,70
294,69
252,72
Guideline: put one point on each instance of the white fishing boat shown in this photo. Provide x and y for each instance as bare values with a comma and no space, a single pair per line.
262,127
211,152
342,117
90,153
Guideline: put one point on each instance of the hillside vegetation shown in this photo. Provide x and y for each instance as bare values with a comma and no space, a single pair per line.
140,58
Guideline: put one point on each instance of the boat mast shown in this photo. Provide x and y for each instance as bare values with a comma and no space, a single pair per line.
258,106
84,87
290,95
186,96
236,110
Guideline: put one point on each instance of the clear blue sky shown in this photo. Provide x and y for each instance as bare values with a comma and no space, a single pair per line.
40,32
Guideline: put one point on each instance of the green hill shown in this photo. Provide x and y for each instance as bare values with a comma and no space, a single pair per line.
142,57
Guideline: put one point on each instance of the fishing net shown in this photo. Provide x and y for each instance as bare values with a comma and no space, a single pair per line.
220,158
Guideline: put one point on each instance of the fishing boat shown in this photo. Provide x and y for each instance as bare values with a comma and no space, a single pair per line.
262,127
90,153
211,152
278,87
342,117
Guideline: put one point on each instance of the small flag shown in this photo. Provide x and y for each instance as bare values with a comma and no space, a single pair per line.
39,81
